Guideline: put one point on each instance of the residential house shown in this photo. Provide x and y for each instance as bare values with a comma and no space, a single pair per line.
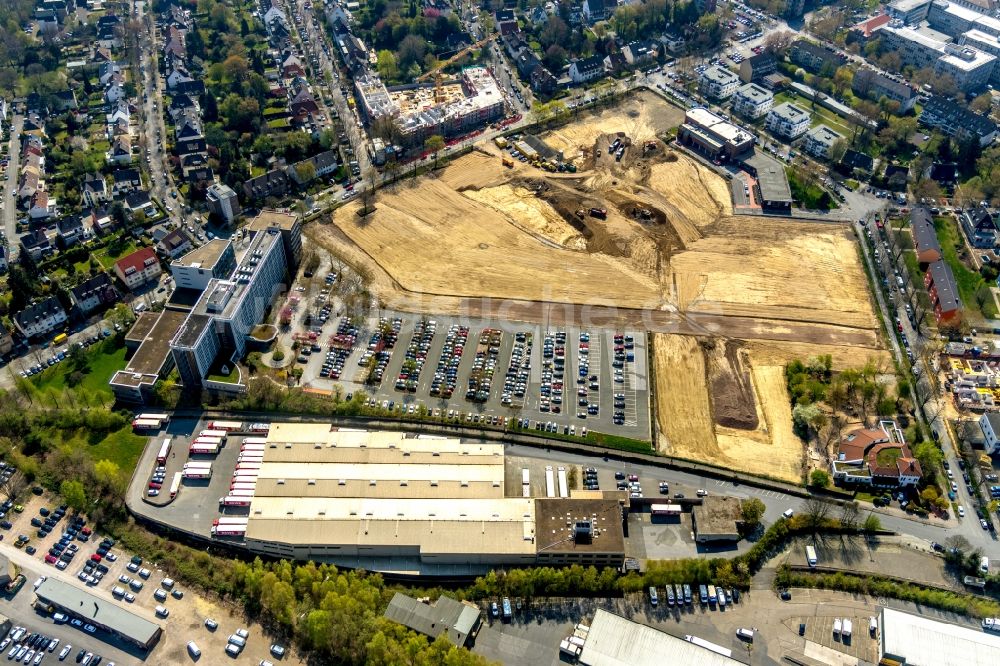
614,62
586,69
925,240
188,146
199,176
40,318
119,111
125,181
598,10
990,425
114,93
179,104
37,244
980,227
195,87
177,76
751,101
108,70
121,151
95,190
64,100
673,43
854,159
101,221
28,184
292,66
788,121
874,85
718,82
819,140
303,104
505,21
4,258
42,206
72,230
755,68
641,53
957,121
138,268
175,243
815,58
542,81
878,457
943,290
274,183
943,173
94,293
140,201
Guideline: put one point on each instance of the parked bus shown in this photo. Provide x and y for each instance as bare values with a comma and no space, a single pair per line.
146,424
203,449
175,484
665,509
161,457
229,530
59,339
712,596
235,500
228,426
811,556
259,427
255,440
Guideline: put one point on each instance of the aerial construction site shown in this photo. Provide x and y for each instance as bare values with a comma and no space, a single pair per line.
639,234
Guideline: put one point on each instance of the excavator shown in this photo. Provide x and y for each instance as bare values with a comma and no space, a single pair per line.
438,72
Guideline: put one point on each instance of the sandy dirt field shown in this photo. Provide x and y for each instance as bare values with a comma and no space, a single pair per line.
530,214
642,117
689,428
683,406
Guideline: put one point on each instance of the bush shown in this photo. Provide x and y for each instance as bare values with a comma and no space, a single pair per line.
819,478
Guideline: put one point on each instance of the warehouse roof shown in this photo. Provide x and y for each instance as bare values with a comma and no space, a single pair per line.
615,641
98,610
446,615
926,641
573,525
379,472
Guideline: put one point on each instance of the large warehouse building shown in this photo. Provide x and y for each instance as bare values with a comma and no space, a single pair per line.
416,503
915,640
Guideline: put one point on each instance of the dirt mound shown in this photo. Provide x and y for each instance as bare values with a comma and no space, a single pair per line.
733,402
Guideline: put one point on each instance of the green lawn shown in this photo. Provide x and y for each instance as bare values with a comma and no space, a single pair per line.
888,457
820,115
809,196
103,360
122,447
969,281
107,256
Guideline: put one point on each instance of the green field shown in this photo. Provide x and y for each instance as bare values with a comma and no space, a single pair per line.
969,281
809,196
122,447
102,361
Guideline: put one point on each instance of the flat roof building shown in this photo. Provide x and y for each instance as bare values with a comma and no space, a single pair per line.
717,518
914,639
718,82
771,188
819,141
713,136
215,259
752,101
616,641
456,619
105,614
788,121
418,504
152,360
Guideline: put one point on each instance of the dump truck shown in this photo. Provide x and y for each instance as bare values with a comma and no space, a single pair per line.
501,142
599,213
509,163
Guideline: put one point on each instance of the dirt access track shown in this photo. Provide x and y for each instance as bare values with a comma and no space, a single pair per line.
481,239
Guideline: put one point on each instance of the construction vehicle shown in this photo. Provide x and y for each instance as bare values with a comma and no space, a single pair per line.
599,213
438,72
507,162
501,142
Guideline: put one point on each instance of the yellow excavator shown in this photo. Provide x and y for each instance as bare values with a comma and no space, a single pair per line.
438,72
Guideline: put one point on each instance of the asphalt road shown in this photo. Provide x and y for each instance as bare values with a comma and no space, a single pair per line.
152,118
10,186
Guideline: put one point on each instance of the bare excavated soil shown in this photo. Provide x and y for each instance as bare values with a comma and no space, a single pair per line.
733,401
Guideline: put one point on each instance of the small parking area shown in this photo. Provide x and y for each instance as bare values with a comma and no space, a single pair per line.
566,379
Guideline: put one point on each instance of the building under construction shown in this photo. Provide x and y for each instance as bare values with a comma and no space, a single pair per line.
423,110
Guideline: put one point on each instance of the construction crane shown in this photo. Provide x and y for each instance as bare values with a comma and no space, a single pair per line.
438,72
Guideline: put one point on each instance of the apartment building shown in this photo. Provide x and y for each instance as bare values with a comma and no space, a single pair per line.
957,121
138,268
752,101
222,201
215,260
788,121
874,85
718,82
40,318
819,140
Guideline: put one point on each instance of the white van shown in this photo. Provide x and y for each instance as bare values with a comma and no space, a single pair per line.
872,626
836,627
984,564
745,634
238,641
167,583
162,611
193,649
788,514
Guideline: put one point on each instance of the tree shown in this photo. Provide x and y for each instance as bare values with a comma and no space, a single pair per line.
752,510
849,513
387,68
819,478
815,513
73,494
433,144
836,152
872,523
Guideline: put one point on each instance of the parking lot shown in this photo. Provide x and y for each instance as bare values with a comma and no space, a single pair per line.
569,380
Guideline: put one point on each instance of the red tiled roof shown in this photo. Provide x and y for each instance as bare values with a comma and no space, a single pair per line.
136,260
867,27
